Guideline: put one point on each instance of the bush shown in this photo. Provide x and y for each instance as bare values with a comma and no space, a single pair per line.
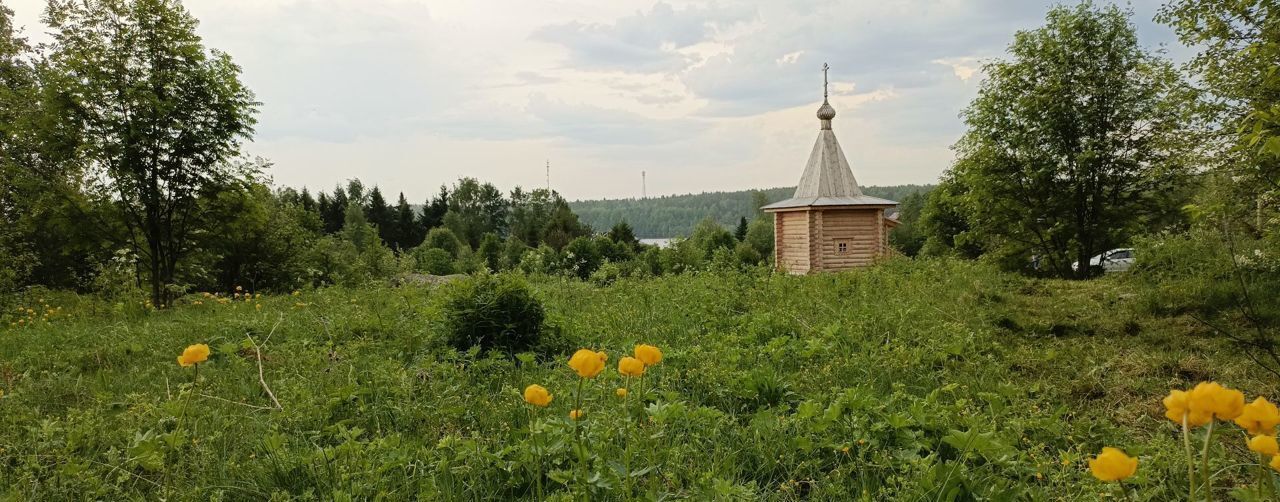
434,261
443,238
582,257
493,312
607,274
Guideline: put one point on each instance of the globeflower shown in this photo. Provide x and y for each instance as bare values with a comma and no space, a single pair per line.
537,395
586,363
648,354
575,415
1210,397
621,392
1176,408
630,367
604,358
194,354
1112,465
1259,417
1265,445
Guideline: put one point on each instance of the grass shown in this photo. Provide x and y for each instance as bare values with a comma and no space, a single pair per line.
927,380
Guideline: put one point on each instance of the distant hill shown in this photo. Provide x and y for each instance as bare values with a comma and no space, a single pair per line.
675,215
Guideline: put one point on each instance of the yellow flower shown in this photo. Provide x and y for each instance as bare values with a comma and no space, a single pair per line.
537,395
1112,465
1265,445
587,363
575,415
1209,397
1175,405
238,288
621,392
1259,417
194,354
649,354
630,366
1275,462
604,358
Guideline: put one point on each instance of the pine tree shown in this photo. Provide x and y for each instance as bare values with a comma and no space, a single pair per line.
741,232
381,216
307,202
408,233
433,210
337,212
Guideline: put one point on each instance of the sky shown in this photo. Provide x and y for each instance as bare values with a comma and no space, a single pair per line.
698,96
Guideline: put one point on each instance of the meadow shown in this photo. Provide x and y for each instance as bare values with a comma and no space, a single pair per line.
912,380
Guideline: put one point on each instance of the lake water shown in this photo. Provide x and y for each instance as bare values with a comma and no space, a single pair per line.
662,243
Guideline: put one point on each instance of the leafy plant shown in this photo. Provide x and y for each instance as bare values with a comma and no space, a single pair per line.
497,312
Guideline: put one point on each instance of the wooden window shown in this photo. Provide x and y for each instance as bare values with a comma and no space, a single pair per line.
842,246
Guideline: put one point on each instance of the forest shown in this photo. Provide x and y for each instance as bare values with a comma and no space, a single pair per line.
176,326
676,215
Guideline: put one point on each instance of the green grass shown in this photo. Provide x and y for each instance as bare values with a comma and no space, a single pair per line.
926,380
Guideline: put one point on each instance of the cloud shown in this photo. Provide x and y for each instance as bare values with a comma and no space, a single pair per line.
964,67
701,94
642,42
593,125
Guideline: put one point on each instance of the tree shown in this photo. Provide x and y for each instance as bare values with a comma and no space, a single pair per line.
381,216
563,227
443,238
17,90
741,232
434,209
621,233
531,212
512,252
1239,44
943,224
490,251
907,237
476,209
709,236
334,213
357,230
407,232
307,202
160,116
1072,143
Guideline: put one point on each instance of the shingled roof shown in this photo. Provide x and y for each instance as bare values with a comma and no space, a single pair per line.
827,180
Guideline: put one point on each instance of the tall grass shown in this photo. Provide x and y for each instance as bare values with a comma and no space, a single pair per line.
925,380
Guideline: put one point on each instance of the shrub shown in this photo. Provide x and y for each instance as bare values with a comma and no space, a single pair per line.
582,257
443,238
496,312
607,274
490,251
433,261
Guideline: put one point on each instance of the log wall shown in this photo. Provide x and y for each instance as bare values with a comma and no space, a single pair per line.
861,230
791,241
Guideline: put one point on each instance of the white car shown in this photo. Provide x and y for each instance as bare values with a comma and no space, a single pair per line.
1115,260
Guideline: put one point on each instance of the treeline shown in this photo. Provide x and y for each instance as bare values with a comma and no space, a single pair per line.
121,170
677,215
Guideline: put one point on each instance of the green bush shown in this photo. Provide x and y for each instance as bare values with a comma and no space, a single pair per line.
433,261
443,238
493,312
582,257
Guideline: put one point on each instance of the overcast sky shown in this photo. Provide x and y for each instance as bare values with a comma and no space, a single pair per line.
703,96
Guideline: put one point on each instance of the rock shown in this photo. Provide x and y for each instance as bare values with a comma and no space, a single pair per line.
424,279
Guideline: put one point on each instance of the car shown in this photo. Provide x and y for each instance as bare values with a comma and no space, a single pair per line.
1115,260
